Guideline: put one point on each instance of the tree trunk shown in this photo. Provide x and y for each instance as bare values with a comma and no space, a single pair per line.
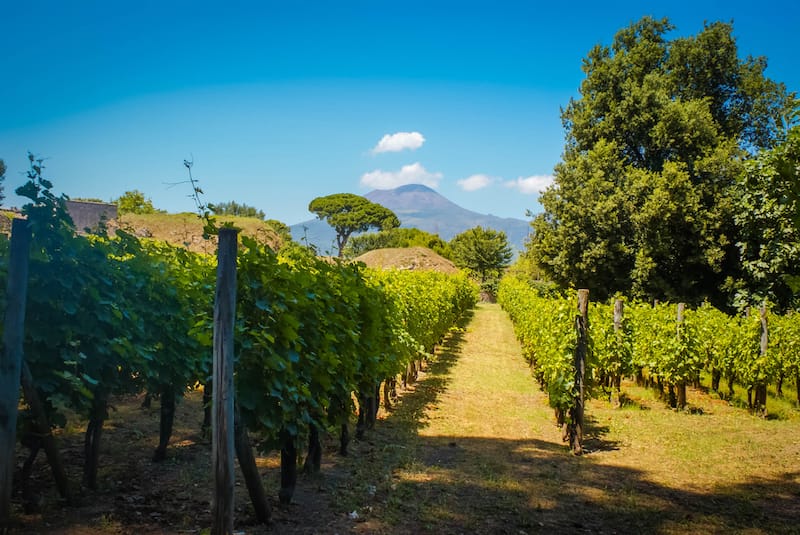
363,410
779,386
166,422
288,467
731,380
760,406
374,405
30,500
41,426
91,443
672,398
344,440
205,429
387,393
681,398
247,463
797,385
314,457
716,376
639,377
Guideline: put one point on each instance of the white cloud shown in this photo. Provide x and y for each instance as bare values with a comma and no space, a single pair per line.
413,173
531,184
399,141
475,182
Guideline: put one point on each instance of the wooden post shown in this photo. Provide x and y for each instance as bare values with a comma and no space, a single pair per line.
11,359
222,420
760,404
681,386
582,328
617,378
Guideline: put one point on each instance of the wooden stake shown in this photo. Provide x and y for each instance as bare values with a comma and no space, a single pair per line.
222,422
11,358
582,327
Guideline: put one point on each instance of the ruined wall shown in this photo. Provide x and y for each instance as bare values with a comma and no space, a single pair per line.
88,214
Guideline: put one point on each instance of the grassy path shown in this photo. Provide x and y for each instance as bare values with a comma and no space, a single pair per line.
473,449
478,436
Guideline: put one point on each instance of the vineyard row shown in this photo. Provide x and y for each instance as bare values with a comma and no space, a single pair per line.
666,345
113,316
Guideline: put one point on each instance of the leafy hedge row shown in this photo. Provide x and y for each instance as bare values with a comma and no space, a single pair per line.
108,316
649,342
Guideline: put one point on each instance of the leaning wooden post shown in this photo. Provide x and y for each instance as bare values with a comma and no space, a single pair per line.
11,359
581,351
222,421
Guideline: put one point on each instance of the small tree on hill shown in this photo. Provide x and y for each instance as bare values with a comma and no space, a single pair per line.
134,202
483,252
348,213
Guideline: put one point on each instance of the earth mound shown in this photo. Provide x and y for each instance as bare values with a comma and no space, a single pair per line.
420,258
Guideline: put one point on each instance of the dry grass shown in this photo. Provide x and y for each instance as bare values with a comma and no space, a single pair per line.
472,447
186,229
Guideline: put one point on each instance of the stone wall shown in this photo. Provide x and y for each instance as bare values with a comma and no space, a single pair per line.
88,214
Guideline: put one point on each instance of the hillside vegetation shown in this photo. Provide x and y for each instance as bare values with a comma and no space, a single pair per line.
186,229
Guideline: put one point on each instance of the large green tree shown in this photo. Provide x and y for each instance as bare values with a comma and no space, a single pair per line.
643,200
769,215
484,252
348,213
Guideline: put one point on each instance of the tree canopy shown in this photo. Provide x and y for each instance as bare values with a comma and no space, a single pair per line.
643,199
134,202
237,209
396,237
483,252
768,213
348,213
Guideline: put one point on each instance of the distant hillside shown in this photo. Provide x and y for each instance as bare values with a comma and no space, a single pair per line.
186,229
419,207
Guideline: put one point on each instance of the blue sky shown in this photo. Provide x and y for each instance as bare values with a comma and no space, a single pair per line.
281,102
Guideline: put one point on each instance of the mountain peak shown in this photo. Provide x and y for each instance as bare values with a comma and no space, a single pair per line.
409,188
421,207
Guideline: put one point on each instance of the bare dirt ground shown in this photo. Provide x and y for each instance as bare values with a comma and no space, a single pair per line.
470,448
